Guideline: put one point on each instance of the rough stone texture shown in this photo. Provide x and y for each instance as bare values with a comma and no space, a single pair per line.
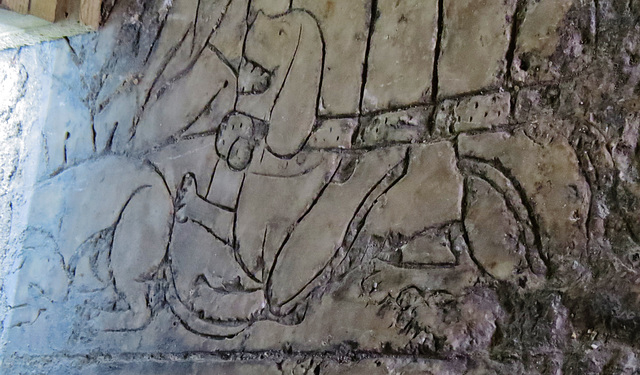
473,113
475,40
344,26
399,126
401,53
553,39
312,187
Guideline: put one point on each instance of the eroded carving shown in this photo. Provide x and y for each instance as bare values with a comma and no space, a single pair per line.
254,223
419,168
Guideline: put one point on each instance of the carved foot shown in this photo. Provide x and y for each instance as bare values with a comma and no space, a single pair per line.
219,305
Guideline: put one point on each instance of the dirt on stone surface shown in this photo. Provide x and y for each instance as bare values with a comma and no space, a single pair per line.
316,187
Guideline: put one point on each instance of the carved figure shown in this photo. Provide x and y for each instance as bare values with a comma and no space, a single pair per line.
264,223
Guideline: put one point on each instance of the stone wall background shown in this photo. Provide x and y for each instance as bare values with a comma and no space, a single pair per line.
549,286
22,118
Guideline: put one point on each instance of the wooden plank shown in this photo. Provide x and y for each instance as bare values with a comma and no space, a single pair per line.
90,12
50,10
22,29
20,6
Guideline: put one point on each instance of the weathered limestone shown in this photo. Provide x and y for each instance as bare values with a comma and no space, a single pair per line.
534,104
432,247
344,28
333,133
333,213
290,102
325,187
274,202
541,38
268,7
474,44
410,207
211,83
478,112
551,178
196,365
400,63
388,280
539,29
189,155
138,214
492,230
229,36
408,125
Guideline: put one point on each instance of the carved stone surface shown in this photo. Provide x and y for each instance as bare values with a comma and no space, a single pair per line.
473,113
400,60
325,187
474,44
344,26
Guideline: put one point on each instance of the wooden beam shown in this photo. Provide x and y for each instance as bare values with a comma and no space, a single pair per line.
43,20
20,6
50,10
90,12
23,29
